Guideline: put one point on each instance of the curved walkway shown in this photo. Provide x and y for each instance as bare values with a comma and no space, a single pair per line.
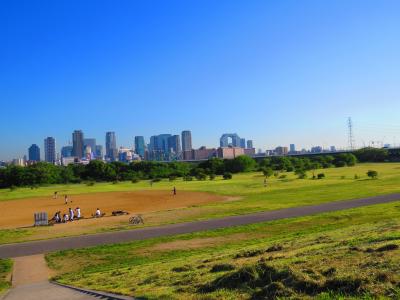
37,247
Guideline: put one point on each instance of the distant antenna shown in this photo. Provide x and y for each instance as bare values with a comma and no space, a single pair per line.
350,133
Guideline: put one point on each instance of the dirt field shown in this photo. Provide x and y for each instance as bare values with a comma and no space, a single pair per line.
19,213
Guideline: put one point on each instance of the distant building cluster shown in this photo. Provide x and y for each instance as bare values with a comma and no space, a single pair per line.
161,147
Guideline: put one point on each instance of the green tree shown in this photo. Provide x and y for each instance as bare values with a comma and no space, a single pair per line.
372,174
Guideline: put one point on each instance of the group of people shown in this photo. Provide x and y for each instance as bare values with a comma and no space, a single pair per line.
73,214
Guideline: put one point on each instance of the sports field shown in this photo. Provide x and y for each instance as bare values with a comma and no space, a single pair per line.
196,200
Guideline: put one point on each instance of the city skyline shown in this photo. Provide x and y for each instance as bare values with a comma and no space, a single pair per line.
281,73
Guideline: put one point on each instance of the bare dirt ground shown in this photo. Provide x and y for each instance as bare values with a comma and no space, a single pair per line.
19,213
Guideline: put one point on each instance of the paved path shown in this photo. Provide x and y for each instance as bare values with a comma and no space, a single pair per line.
31,248
30,282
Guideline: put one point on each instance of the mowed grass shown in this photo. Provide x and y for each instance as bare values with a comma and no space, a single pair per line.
352,254
5,274
247,190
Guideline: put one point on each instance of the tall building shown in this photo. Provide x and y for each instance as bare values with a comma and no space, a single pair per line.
89,142
66,151
281,150
250,144
77,144
224,140
111,146
34,153
243,143
99,152
174,144
292,148
139,146
50,149
187,140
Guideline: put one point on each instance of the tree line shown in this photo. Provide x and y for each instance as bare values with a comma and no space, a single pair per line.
44,173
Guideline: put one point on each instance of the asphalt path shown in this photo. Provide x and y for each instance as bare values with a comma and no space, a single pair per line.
45,246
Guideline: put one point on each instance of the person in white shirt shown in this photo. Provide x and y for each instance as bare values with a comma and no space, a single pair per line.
71,214
78,212
98,213
66,218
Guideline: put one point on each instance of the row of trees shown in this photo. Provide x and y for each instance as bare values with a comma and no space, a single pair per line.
44,173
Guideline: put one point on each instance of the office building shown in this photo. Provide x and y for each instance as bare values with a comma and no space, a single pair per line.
292,148
77,144
281,150
186,140
140,146
250,144
99,152
111,146
234,140
243,143
34,153
92,144
174,144
66,151
316,149
230,152
50,149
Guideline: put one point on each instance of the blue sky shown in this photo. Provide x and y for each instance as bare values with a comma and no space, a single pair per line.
277,72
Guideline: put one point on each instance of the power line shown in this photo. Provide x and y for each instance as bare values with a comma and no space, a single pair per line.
351,140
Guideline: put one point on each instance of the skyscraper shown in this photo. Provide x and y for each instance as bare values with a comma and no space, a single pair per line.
91,143
186,140
77,144
111,146
292,148
66,151
34,153
243,143
50,149
99,152
139,146
250,144
174,144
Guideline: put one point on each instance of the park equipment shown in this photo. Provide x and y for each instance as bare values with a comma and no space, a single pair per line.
41,219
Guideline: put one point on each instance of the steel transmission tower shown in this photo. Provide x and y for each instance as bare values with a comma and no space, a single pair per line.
351,140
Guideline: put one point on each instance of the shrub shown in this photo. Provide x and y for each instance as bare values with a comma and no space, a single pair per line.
227,175
356,176
301,173
212,176
201,176
188,178
90,183
267,172
157,179
283,176
321,175
372,174
135,180
222,267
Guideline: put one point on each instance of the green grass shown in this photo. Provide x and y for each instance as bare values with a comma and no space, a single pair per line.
251,195
340,255
5,271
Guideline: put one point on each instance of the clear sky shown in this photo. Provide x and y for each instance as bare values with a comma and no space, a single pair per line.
277,72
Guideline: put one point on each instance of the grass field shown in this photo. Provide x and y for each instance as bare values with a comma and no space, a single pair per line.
5,271
246,190
341,255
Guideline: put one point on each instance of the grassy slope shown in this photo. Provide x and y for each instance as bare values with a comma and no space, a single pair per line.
5,270
332,251
280,193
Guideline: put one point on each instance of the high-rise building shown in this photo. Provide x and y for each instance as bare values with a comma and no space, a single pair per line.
66,151
139,146
77,144
243,143
34,153
90,142
224,140
250,144
99,152
292,148
50,149
187,140
174,144
111,146
281,150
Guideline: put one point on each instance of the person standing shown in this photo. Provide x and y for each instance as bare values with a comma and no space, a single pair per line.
265,182
71,214
78,213
66,199
55,195
174,190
